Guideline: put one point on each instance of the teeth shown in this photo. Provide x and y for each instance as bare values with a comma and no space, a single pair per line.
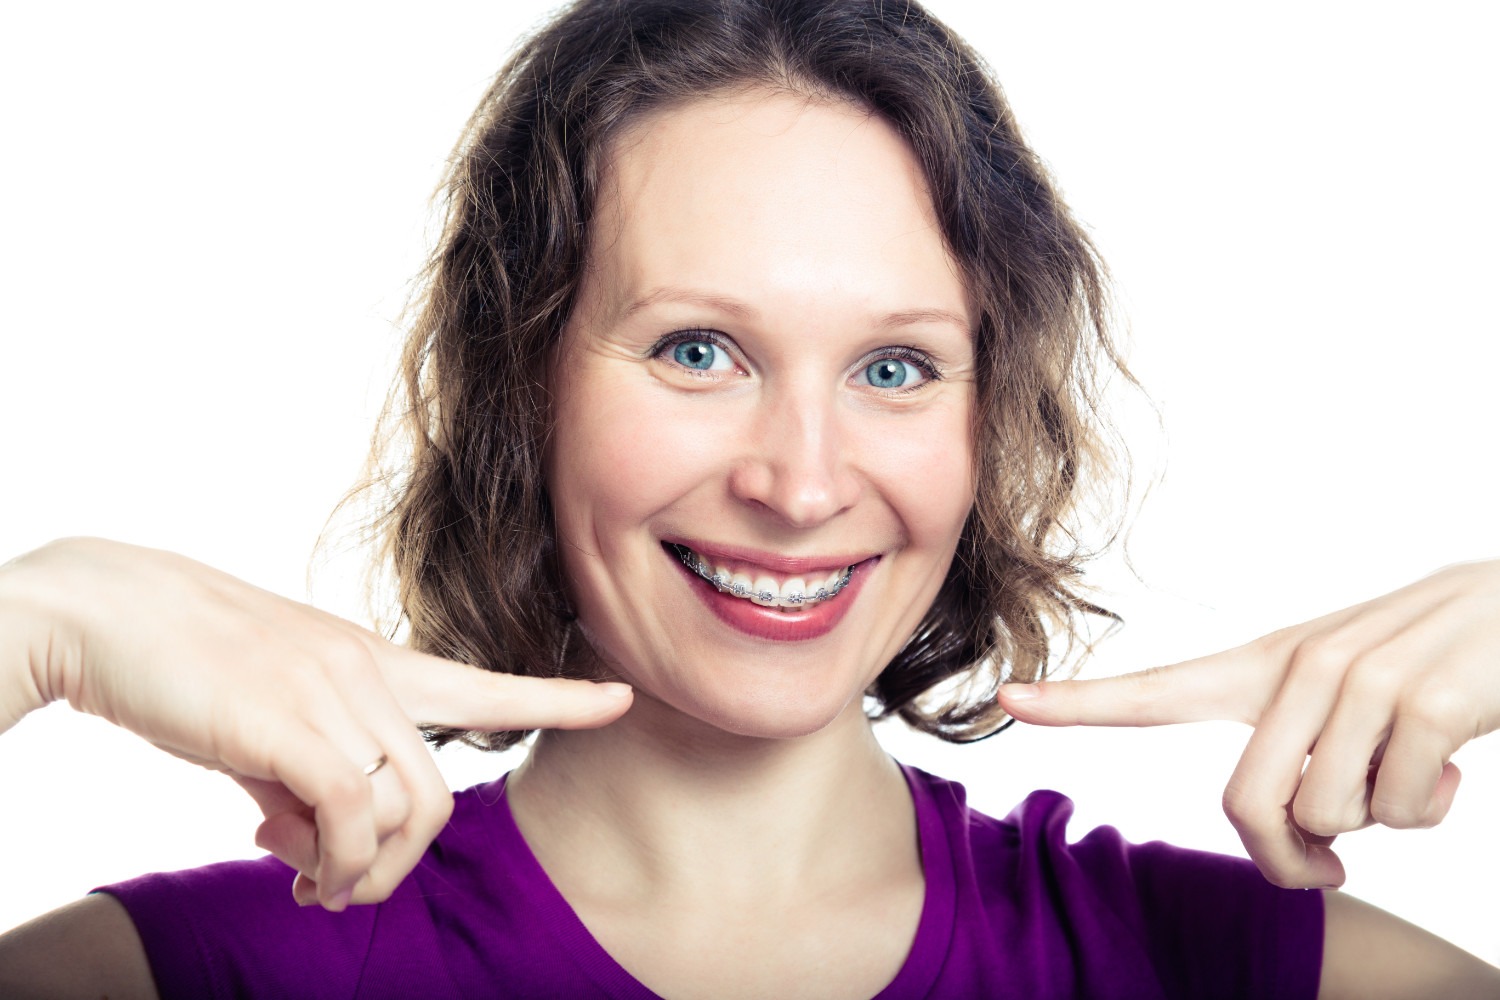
764,590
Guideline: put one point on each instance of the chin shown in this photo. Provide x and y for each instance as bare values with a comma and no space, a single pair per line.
764,710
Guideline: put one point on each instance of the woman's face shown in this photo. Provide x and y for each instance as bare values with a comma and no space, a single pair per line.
768,375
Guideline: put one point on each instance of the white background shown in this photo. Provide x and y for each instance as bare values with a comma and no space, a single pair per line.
211,213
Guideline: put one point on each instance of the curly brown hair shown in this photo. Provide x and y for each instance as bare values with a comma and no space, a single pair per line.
465,524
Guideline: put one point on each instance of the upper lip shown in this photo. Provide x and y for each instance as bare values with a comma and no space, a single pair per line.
773,562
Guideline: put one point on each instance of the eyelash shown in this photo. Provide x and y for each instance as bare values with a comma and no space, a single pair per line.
910,355
661,347
913,357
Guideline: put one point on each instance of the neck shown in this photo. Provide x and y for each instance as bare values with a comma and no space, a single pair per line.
659,805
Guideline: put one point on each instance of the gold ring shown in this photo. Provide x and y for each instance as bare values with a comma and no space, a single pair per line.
375,765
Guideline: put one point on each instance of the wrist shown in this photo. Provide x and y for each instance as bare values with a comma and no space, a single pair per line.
36,654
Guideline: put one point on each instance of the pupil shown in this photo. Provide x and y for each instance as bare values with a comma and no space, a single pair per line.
886,374
694,354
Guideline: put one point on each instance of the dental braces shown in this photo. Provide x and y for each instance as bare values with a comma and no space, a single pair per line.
721,582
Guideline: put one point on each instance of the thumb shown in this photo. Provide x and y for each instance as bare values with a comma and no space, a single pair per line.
1192,691
436,692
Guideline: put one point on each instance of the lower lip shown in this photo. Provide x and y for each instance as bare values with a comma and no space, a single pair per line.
761,622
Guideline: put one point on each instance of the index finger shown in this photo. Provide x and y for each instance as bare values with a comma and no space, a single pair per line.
1222,686
436,692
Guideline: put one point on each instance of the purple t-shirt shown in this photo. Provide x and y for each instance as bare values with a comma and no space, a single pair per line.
1011,910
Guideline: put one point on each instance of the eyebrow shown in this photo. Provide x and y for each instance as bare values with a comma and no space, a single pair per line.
911,317
692,297
744,311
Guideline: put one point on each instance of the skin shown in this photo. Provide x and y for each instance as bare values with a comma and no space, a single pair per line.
786,448
744,798
288,701
1356,715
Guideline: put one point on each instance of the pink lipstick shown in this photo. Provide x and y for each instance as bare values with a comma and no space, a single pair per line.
808,618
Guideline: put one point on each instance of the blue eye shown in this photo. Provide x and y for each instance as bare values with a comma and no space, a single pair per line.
701,355
893,373
694,354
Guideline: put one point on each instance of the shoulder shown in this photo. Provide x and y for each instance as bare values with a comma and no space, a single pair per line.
233,928
1191,921
1033,845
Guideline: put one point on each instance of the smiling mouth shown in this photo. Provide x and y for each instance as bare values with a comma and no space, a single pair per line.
765,590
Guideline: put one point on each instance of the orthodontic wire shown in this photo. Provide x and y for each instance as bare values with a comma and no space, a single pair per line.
690,560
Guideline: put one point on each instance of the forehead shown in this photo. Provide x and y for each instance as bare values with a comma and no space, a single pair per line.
770,196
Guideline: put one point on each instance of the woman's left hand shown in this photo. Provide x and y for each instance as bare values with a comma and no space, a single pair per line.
1356,715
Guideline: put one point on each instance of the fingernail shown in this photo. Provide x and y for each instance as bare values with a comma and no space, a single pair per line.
1020,692
340,900
304,890
615,690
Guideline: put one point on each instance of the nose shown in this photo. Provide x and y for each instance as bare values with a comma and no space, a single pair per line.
798,462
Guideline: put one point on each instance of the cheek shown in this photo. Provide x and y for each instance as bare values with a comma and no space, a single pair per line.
926,468
617,458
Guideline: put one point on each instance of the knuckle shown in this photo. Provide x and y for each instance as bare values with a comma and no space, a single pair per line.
1373,676
1323,653
1281,875
1144,688
375,888
431,815
1240,805
297,674
352,858
443,808
1439,707
347,788
396,809
1434,814
1395,813
1233,804
408,807
1321,818
1275,874
302,685
342,656
364,856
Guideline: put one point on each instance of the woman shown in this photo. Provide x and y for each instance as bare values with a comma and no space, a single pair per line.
722,735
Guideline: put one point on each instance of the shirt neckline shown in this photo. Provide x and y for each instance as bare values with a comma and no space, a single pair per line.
914,979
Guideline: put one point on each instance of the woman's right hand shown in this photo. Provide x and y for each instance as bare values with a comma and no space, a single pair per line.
295,704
